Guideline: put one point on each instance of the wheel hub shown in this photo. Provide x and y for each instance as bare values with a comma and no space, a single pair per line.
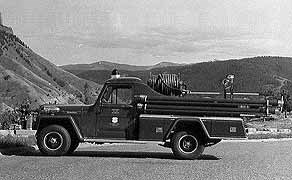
53,140
188,143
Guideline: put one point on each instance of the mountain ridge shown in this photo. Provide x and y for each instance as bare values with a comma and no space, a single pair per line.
107,65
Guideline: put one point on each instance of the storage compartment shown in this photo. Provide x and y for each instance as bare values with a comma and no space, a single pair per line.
154,127
225,127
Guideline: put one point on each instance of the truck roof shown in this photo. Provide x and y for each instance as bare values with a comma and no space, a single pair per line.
127,80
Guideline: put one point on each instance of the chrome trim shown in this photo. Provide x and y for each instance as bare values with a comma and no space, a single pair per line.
222,118
156,115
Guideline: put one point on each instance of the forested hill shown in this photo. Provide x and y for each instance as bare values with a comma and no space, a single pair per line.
251,74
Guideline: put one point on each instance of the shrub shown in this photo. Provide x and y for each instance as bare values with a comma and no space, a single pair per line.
8,118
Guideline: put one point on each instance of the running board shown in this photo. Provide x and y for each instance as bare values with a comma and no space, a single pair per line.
122,141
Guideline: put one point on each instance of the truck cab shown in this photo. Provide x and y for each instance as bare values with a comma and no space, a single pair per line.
114,112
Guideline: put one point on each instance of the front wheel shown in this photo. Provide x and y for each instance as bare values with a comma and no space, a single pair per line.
186,146
54,140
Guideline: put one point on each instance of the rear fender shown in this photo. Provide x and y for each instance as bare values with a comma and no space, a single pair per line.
192,124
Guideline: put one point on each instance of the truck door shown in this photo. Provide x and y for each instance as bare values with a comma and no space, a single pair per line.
115,111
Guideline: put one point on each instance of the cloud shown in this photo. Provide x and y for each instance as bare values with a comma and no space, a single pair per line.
151,30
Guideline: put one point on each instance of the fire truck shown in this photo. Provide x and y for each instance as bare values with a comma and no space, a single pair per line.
160,111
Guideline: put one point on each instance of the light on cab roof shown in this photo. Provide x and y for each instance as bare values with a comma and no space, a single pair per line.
115,74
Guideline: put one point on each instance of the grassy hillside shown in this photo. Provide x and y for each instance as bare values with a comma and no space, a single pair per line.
26,75
251,74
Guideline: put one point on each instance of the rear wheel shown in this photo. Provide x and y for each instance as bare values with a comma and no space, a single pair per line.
186,146
54,140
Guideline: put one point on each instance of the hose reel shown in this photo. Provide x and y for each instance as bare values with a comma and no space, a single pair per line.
167,84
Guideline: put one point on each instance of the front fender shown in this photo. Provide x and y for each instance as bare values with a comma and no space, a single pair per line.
62,120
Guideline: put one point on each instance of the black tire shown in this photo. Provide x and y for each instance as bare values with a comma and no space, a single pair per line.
54,140
186,146
73,147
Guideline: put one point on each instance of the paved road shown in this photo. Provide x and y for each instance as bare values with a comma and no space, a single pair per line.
227,160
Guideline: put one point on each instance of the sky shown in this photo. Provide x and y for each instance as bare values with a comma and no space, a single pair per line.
145,32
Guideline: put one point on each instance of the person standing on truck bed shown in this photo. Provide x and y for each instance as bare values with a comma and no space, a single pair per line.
228,85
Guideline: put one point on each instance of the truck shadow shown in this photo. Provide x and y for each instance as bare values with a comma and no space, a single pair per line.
109,154
123,154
